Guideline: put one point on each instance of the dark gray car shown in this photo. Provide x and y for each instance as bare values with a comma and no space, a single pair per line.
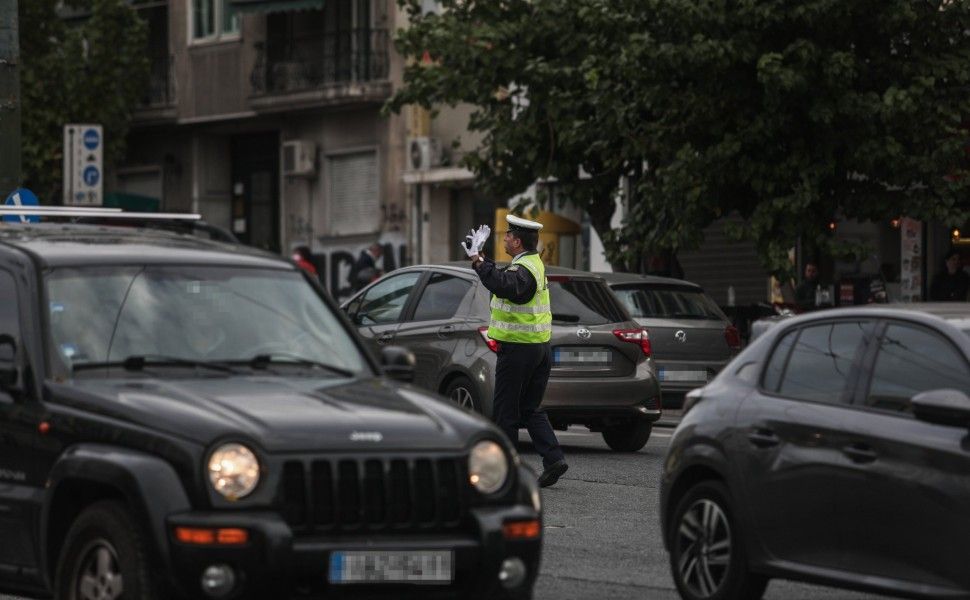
832,450
602,375
690,337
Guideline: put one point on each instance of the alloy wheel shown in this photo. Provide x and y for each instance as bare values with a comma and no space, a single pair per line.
463,398
99,576
704,548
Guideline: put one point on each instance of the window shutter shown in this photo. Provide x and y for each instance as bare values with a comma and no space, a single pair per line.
355,205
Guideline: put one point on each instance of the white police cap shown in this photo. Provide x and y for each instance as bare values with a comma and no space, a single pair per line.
522,224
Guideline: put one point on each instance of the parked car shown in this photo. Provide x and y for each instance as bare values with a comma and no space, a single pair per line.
185,418
690,336
832,450
602,375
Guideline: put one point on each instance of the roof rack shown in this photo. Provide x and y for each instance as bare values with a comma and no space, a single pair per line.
96,212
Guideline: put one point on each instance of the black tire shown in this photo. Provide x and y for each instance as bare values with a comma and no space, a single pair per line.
105,550
707,552
628,437
462,392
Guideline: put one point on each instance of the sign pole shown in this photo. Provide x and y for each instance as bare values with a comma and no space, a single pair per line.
9,97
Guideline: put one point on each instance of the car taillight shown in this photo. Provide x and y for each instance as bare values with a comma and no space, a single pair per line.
635,336
732,337
492,344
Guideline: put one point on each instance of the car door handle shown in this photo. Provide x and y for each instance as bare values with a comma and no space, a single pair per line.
385,337
763,438
446,330
860,453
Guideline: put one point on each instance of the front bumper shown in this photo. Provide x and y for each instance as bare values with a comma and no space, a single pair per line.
274,563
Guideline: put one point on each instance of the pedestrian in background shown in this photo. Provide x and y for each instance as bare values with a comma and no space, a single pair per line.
805,292
521,322
304,260
365,269
951,283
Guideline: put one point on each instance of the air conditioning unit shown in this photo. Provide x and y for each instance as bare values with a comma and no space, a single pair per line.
423,153
299,158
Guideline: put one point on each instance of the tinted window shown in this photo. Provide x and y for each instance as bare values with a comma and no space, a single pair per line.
9,320
384,302
192,313
821,361
670,303
777,363
586,302
913,360
441,297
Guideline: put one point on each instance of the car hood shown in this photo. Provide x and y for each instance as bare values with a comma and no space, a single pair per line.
282,414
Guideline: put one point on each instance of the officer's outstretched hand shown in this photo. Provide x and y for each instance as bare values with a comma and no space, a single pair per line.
469,245
480,235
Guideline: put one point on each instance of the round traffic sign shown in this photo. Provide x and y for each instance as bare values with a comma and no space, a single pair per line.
91,139
91,176
21,197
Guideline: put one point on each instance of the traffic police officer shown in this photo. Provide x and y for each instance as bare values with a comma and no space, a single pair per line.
521,321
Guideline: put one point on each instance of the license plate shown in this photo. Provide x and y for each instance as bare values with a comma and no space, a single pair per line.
581,356
677,375
409,566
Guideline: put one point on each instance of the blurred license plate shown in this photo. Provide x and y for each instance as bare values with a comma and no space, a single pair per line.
581,356
676,375
417,566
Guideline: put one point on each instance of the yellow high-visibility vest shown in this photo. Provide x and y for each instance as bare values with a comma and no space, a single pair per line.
529,323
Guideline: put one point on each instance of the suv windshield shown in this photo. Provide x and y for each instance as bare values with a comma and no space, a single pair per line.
188,313
668,303
583,301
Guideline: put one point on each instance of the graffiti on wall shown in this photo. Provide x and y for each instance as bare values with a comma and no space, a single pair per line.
335,262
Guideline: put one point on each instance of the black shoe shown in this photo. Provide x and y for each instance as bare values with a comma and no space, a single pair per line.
552,473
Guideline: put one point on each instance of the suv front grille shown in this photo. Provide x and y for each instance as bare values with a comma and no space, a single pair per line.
373,494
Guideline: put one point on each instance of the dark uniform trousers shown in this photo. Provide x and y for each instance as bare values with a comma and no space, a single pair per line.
521,374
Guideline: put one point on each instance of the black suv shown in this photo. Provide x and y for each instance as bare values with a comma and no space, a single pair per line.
185,418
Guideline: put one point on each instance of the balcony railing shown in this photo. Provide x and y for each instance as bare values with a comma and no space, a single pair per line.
161,83
296,65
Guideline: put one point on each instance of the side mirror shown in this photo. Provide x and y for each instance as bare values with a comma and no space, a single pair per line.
398,363
8,362
943,407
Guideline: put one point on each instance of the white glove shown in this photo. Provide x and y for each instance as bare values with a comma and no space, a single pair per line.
480,236
469,245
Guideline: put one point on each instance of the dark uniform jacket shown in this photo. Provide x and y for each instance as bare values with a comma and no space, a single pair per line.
514,283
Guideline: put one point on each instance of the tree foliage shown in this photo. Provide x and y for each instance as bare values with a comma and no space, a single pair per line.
792,114
90,70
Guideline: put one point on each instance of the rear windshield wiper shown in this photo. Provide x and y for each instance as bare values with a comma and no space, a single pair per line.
139,362
263,361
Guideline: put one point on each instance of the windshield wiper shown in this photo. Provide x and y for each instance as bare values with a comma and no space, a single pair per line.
262,361
139,362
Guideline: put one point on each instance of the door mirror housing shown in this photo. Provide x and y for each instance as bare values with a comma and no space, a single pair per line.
9,373
398,363
942,407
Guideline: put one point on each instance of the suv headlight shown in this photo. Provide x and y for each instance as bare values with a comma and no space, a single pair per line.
488,467
233,471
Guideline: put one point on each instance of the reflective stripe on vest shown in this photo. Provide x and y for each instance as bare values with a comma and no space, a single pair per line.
528,323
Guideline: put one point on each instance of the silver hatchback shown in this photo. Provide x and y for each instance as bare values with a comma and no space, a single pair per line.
691,337
602,374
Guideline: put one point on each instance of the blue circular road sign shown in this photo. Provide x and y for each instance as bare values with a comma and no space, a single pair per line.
91,176
21,197
91,139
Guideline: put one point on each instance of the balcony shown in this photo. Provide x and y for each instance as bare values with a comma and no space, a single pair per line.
324,69
158,101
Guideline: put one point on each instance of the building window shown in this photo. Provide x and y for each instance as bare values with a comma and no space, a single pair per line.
213,20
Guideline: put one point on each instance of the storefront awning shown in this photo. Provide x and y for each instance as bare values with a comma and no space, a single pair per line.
268,6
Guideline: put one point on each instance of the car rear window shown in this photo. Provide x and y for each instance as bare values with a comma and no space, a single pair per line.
644,301
584,301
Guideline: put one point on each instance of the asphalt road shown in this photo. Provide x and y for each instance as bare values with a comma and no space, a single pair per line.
602,536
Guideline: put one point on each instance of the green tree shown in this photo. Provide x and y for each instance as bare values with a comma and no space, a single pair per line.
792,114
93,69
